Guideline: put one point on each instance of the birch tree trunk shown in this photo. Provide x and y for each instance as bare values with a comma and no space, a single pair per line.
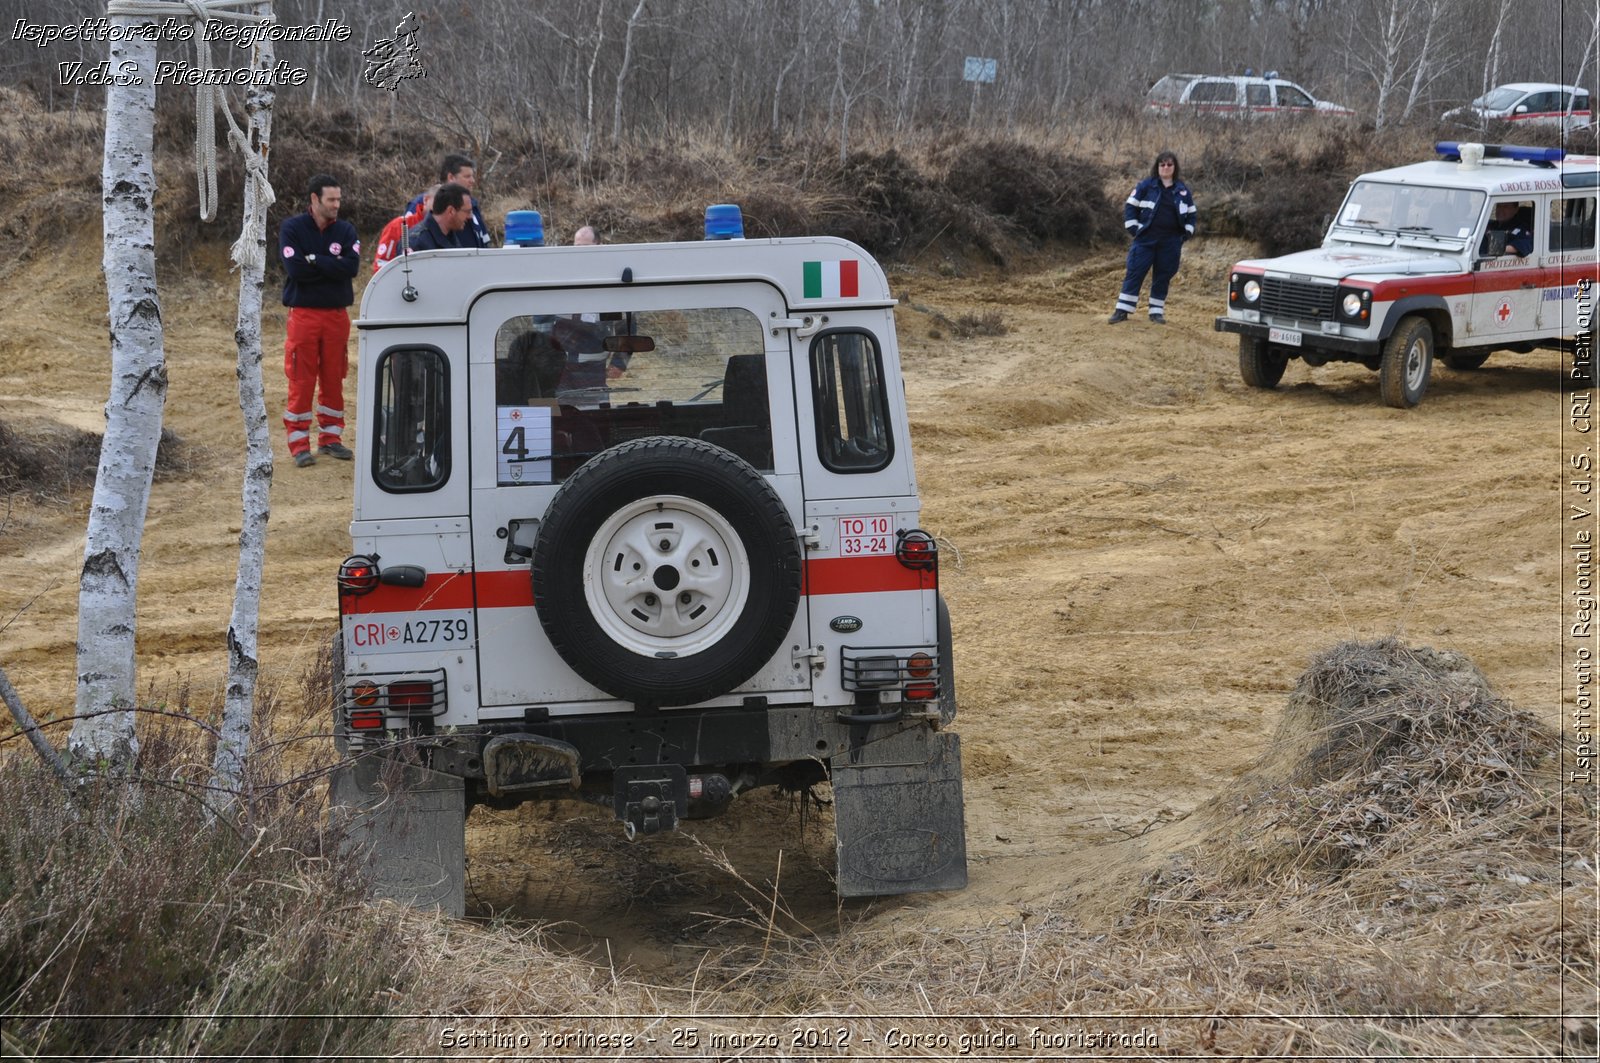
107,592
622,73
238,712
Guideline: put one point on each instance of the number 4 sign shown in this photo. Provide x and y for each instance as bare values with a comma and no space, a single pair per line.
524,439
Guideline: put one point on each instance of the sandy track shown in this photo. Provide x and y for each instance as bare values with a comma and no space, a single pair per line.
1140,556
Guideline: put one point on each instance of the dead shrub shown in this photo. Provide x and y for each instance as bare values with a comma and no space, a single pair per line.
987,323
1041,194
46,459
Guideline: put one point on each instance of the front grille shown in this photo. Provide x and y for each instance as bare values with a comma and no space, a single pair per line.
1282,297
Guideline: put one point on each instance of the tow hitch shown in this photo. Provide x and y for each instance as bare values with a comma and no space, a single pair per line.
651,798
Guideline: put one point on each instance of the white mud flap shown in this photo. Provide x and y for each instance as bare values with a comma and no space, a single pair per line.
898,815
409,823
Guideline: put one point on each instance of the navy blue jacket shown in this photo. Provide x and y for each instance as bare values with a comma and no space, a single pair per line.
321,263
1519,241
479,231
1140,209
429,237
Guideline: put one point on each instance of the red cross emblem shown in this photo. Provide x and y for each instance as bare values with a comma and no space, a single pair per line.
1502,313
516,415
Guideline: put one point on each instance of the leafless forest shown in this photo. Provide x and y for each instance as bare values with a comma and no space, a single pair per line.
604,71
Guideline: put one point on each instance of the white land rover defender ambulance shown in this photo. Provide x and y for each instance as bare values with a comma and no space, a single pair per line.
637,524
1490,247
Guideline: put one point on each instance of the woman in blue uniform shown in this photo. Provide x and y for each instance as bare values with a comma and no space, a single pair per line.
1160,216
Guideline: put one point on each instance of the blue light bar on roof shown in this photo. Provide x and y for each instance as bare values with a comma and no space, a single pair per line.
724,221
524,228
1450,151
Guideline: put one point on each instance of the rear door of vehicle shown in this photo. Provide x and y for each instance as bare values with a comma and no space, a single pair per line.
861,494
546,396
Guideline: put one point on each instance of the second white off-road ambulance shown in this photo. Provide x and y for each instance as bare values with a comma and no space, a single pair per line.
1489,247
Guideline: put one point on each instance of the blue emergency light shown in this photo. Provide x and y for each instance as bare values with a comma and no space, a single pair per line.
1450,151
524,228
724,222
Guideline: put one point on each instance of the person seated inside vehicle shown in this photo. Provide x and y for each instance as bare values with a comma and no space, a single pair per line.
1515,220
531,370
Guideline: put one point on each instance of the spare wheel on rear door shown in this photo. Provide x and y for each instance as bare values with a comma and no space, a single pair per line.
667,571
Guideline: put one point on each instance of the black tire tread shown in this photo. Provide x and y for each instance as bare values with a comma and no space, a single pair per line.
1258,365
637,469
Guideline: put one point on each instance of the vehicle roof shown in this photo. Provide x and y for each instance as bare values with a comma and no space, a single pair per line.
1236,77
1537,86
451,280
1493,175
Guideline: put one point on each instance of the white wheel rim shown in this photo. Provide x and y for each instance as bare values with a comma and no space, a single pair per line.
666,576
1414,364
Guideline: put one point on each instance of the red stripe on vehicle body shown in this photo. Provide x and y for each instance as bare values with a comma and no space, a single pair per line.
864,575
1484,282
514,589
445,590
505,590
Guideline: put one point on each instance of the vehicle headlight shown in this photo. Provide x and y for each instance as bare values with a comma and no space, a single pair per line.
1251,290
1355,304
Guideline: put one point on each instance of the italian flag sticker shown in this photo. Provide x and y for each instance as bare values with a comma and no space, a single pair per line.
831,280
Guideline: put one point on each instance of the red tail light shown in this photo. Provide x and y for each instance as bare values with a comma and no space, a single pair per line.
358,575
921,692
411,695
919,666
366,720
917,550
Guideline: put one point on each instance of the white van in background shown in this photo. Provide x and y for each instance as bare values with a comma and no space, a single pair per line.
1529,103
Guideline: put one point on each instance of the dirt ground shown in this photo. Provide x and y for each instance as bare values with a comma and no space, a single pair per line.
1140,556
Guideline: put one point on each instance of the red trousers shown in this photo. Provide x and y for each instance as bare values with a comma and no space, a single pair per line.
315,353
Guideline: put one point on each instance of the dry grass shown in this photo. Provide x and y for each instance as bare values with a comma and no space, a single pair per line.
1390,879
48,460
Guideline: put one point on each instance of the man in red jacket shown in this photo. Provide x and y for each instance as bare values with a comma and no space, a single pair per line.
321,256
390,240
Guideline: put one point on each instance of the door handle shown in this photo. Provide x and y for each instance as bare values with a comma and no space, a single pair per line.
1529,284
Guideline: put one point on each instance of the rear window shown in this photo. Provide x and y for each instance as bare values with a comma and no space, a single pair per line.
568,386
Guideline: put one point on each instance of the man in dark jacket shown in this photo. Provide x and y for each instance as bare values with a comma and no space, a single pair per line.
449,224
460,170
321,256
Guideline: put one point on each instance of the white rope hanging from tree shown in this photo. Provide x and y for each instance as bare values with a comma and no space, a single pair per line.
247,251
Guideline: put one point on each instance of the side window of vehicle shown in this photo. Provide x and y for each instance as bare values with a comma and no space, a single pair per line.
1216,91
1572,224
1581,102
1289,96
1540,102
851,402
1258,95
411,425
